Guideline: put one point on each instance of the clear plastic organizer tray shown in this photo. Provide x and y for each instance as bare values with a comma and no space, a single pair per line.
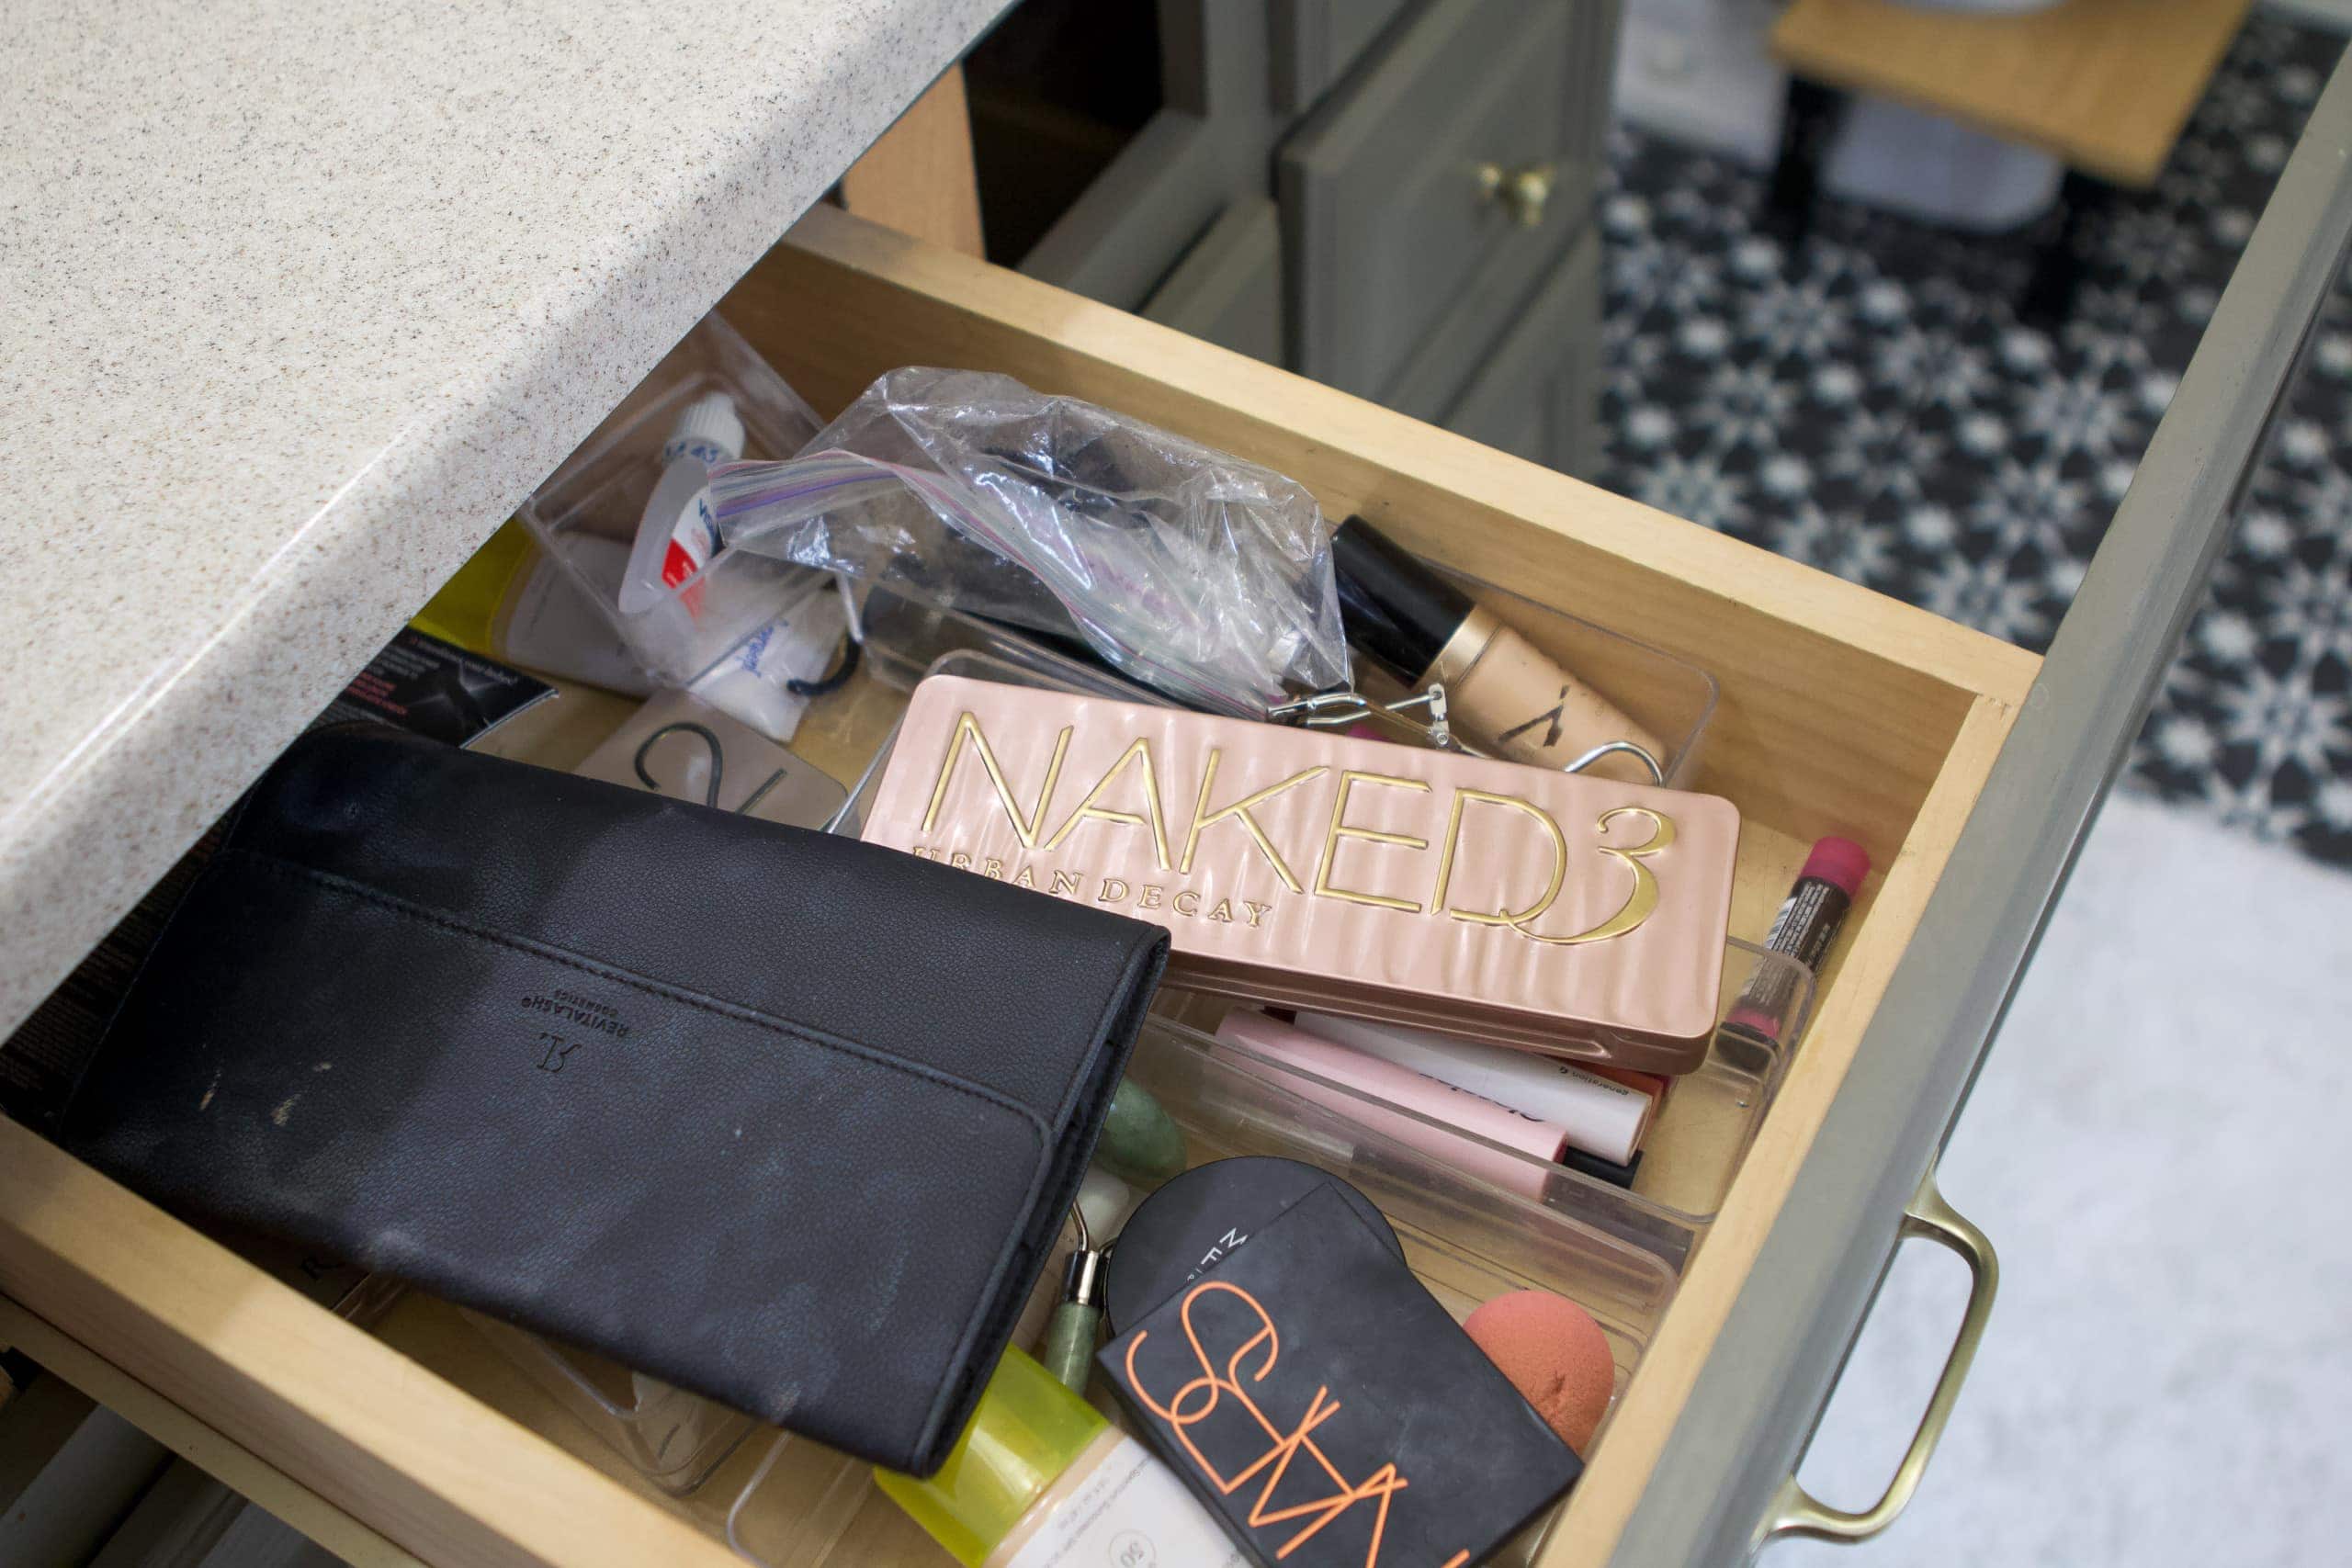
1692,1152
1480,1219
1466,1242
675,1439
786,1501
587,513
1477,1220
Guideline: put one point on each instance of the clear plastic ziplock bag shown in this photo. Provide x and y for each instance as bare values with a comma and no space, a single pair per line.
1193,571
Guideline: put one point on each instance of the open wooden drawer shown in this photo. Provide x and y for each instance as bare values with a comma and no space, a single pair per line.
1840,712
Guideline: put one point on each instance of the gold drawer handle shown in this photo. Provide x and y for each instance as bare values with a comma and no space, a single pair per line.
1795,1510
1524,192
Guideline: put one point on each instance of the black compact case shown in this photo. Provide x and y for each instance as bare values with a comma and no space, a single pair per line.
779,1117
1316,1397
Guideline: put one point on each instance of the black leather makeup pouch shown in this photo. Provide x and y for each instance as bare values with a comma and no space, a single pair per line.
782,1118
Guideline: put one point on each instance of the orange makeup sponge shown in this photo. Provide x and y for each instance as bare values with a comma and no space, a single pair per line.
1554,1354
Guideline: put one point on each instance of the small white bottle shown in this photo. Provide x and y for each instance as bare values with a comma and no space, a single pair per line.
677,535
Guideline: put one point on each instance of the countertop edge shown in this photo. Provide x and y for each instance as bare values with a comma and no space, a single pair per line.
139,789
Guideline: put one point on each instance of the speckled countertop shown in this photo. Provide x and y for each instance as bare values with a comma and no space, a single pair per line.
297,300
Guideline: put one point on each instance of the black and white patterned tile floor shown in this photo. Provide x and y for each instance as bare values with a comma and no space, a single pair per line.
1868,401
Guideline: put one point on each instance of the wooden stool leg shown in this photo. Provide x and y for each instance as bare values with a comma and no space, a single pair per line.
2058,270
1812,116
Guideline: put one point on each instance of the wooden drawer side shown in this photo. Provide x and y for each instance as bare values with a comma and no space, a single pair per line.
417,1459
1654,1401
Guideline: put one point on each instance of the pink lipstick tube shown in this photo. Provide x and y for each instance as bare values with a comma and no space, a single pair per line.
1374,1079
1808,921
1596,1114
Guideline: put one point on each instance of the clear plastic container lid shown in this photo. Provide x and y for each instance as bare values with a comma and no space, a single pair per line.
675,1439
587,513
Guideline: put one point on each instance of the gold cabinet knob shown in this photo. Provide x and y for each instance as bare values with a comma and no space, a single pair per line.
1524,192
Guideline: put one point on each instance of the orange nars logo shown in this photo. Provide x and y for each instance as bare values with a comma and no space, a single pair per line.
1199,1398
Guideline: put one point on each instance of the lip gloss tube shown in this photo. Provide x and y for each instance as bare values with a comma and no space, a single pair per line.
1386,1084
1598,1116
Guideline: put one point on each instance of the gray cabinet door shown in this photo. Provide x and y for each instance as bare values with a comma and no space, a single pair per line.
1315,42
1119,240
1387,216
1479,320
1207,146
1534,398
1229,287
